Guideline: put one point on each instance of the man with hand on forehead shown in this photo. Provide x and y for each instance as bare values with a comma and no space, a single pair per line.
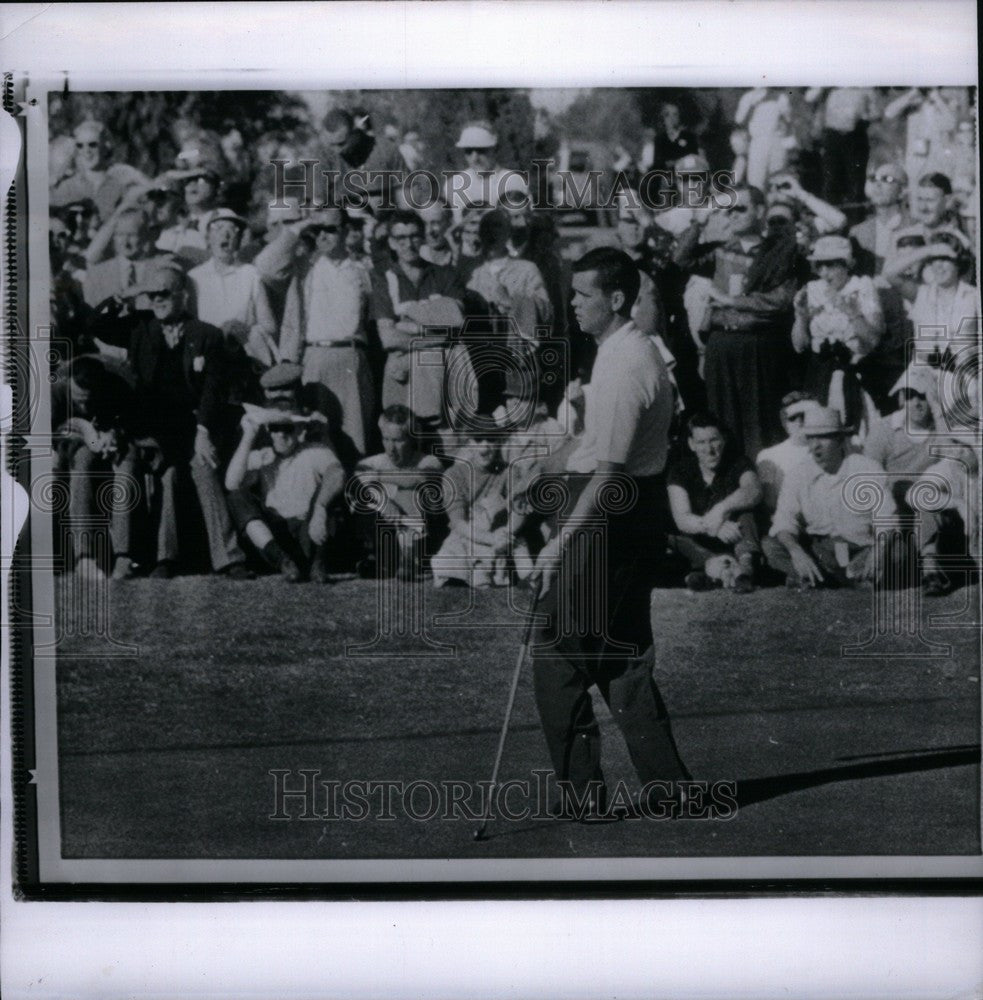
179,366
886,187
231,295
282,492
597,595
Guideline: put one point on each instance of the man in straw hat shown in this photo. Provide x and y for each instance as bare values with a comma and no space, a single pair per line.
482,181
822,533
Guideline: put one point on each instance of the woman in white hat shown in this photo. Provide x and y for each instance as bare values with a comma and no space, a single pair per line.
838,321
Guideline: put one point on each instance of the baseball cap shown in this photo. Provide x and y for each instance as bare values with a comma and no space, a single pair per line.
828,248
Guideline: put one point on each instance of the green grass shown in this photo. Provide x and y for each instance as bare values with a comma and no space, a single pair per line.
168,754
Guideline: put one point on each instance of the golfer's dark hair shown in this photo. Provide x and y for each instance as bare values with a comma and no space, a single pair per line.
405,217
88,373
702,420
399,416
936,180
616,272
337,118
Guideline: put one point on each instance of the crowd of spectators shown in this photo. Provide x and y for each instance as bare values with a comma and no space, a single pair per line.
383,389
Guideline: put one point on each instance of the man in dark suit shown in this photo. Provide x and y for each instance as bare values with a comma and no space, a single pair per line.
178,363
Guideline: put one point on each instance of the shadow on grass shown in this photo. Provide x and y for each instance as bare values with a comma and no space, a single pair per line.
753,790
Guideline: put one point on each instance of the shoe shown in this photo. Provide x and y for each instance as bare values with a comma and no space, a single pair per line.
124,569
365,569
319,574
698,581
743,584
936,585
86,566
289,570
237,571
162,571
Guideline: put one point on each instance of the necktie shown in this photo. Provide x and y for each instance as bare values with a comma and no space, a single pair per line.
172,333
131,274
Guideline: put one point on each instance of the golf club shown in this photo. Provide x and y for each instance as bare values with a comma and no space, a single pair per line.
479,834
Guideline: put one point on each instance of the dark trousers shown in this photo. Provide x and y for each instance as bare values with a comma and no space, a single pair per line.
844,164
697,549
598,633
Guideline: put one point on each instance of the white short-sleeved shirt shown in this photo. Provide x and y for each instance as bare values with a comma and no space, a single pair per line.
817,502
629,407
292,482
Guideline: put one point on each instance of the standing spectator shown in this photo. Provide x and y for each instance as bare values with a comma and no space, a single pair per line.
124,272
324,329
747,324
775,463
673,141
276,258
766,115
844,146
92,175
438,248
231,295
179,366
281,494
876,235
397,476
712,494
838,321
200,181
482,182
409,296
817,536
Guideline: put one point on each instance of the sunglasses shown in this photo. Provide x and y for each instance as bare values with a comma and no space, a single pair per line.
87,145
406,237
739,209
327,229
281,428
163,295
473,151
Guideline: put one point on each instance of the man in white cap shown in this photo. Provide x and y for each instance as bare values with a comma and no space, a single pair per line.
822,533
775,463
902,441
482,182
230,294
93,176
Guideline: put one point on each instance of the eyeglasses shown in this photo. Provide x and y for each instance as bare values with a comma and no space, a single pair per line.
406,237
327,229
739,209
280,428
163,295
87,145
882,178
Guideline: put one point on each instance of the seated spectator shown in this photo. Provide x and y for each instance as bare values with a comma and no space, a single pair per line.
92,175
775,463
477,490
817,537
712,495
93,417
397,476
324,329
231,295
901,443
281,493
179,364
838,321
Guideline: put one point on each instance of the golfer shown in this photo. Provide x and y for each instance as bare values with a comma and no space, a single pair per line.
596,593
